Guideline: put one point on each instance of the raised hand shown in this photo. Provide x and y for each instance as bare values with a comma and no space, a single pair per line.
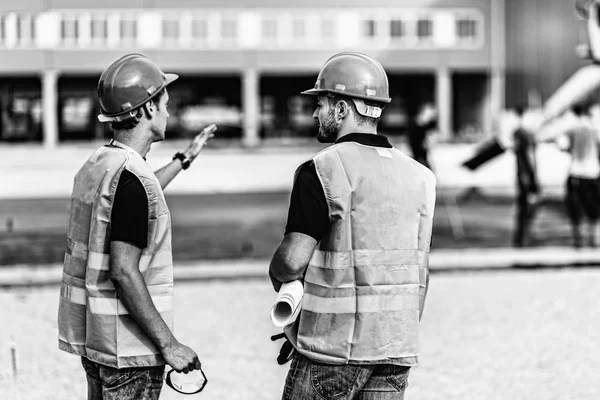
199,142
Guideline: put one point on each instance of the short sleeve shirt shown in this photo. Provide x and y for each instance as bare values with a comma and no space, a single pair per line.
129,218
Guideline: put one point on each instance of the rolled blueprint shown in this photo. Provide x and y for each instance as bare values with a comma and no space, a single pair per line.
287,304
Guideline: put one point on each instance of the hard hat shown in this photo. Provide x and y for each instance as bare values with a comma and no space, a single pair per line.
127,84
357,76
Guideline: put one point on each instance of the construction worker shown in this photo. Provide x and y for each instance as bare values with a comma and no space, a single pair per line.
116,298
582,194
528,188
358,236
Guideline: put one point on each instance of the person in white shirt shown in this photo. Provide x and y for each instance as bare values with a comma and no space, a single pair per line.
582,188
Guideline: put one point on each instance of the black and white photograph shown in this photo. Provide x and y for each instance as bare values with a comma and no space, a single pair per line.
300,200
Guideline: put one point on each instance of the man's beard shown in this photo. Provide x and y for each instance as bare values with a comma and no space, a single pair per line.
328,131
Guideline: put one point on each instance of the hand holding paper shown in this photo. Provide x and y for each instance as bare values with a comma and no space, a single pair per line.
287,304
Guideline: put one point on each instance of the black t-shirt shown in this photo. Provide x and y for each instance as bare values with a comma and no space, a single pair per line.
308,212
129,219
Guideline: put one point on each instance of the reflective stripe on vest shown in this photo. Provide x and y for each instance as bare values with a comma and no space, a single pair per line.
92,321
363,283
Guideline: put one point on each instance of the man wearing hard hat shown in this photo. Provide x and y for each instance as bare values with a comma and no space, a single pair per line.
116,302
358,236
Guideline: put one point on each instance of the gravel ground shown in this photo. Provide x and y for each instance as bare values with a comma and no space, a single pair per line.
520,334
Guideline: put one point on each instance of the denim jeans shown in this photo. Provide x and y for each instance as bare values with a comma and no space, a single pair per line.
106,383
308,380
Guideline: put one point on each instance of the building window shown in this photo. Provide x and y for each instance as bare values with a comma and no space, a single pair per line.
424,29
369,26
397,28
199,28
328,28
229,29
128,29
170,29
298,28
69,30
25,29
99,28
269,29
466,28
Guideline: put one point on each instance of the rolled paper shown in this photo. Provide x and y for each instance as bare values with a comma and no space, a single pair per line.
287,304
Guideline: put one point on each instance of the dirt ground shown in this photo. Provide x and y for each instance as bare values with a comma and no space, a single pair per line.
518,334
251,225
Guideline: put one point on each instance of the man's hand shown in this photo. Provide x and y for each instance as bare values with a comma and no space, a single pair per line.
180,357
199,141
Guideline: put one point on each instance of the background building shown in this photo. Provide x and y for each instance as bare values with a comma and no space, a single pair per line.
242,65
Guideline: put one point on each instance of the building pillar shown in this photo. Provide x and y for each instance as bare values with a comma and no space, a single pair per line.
496,97
50,108
443,99
251,108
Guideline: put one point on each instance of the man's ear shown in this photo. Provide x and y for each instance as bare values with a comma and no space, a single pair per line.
342,109
150,109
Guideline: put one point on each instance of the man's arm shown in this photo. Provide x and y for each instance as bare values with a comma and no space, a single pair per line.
166,174
132,291
291,258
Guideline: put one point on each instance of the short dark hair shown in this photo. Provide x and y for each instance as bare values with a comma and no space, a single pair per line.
131,123
361,119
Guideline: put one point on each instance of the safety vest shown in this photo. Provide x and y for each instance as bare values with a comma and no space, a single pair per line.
364,281
92,320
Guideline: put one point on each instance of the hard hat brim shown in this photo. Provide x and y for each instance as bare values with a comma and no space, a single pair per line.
312,92
170,78
317,92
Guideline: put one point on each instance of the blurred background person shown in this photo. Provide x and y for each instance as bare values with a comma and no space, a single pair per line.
582,197
418,129
528,189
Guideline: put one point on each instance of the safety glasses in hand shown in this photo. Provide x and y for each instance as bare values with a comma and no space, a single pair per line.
191,383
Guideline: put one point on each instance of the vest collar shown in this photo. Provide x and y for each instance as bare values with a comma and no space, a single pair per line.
116,143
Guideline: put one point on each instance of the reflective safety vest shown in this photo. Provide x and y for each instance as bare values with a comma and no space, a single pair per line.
363,284
92,320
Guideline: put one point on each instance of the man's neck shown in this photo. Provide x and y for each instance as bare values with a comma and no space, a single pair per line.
137,142
354,129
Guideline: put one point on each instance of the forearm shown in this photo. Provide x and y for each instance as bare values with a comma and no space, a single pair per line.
166,174
132,291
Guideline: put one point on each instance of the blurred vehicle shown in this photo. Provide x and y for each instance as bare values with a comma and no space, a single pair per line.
193,117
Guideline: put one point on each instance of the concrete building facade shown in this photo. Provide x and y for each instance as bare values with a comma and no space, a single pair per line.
243,64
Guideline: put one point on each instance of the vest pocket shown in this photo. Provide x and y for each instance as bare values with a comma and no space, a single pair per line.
333,382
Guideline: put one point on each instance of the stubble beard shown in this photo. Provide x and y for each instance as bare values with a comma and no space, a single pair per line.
328,130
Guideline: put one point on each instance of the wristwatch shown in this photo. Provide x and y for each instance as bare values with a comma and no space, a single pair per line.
185,162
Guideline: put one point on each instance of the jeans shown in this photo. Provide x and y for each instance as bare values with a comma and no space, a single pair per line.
309,380
107,383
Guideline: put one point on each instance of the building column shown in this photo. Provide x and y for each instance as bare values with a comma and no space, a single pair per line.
251,109
443,98
496,97
50,108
